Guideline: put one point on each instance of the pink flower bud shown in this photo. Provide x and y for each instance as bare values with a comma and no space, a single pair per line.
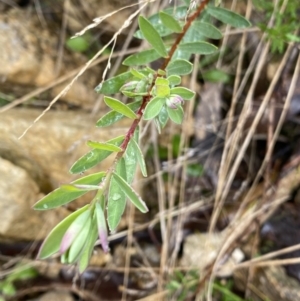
174,101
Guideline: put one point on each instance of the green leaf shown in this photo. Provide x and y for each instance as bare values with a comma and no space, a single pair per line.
88,249
130,158
119,107
79,242
70,187
207,30
139,157
162,88
216,76
104,146
52,242
138,74
185,93
152,36
176,115
116,198
61,196
153,107
170,22
94,157
142,58
163,117
198,47
131,194
113,85
174,80
179,67
113,116
228,17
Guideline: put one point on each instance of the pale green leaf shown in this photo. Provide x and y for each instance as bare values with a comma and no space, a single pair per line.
113,116
61,196
179,67
94,157
162,88
198,47
163,117
142,58
104,146
185,93
174,80
170,22
131,194
130,158
206,30
79,243
113,85
88,249
116,198
152,36
176,115
153,107
119,107
52,242
228,17
140,157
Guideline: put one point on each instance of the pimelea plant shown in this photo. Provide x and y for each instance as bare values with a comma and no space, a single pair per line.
156,96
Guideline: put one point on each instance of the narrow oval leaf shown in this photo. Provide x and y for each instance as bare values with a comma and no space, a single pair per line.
142,58
130,159
170,22
52,242
207,30
152,36
185,93
131,194
70,187
104,146
163,117
116,198
198,47
179,67
139,157
176,115
74,230
153,107
102,229
162,30
79,242
162,88
174,80
120,107
94,157
61,196
113,116
113,85
228,17
88,249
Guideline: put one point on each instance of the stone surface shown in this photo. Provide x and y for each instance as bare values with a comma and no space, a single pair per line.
56,296
18,192
29,58
202,248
